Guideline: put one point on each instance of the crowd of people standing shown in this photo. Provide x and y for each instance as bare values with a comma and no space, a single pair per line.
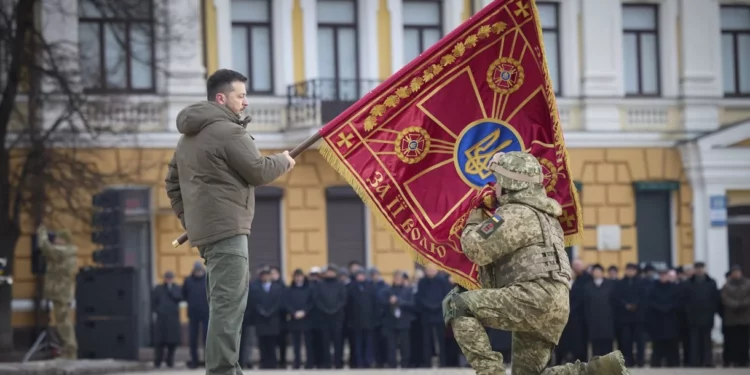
335,317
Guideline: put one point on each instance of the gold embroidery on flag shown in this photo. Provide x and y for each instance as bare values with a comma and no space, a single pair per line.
428,74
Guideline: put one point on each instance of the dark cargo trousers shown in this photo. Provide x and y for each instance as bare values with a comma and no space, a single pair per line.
228,279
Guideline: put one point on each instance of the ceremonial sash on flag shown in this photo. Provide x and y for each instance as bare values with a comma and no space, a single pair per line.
416,148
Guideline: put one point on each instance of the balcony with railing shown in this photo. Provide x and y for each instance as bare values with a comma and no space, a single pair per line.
315,102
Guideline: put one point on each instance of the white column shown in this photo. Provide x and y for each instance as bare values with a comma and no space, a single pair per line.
397,34
691,163
571,68
717,262
185,71
283,55
602,63
59,20
310,27
700,68
368,39
668,12
452,11
224,32
602,48
701,50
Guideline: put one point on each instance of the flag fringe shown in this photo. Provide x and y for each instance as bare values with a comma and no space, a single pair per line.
330,156
578,237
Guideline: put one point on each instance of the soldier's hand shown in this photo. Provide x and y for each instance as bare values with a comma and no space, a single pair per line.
476,216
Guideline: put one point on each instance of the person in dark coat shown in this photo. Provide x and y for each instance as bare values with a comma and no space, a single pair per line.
630,307
299,303
398,306
701,301
613,273
313,277
735,295
329,296
165,303
662,313
684,274
283,336
268,298
380,347
361,310
194,293
573,343
599,311
429,298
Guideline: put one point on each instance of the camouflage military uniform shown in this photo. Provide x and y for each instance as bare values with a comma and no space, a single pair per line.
59,284
524,272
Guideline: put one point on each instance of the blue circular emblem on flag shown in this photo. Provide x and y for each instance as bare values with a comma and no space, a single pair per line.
476,145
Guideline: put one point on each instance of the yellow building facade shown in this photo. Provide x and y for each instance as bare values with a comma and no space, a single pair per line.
627,154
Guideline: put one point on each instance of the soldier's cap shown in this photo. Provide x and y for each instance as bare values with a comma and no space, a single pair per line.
169,275
699,265
632,266
315,270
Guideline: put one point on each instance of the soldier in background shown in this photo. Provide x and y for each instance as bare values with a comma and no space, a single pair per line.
525,275
59,284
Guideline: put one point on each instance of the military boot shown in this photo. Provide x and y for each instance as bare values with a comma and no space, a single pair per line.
610,364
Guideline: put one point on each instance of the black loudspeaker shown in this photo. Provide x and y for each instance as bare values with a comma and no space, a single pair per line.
106,292
38,263
115,338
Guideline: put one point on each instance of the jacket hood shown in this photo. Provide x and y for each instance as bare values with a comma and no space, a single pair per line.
533,196
198,116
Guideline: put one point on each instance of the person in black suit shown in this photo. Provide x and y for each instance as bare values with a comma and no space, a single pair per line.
329,297
598,307
662,313
630,307
361,311
701,300
268,298
398,306
298,302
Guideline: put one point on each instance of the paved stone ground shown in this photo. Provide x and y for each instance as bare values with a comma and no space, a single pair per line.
675,371
67,367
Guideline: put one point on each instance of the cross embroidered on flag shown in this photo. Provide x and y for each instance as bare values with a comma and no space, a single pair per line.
416,148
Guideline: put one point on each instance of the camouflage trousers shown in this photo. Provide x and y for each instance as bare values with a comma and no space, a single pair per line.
535,311
65,329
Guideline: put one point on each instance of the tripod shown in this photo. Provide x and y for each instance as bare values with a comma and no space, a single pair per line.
45,340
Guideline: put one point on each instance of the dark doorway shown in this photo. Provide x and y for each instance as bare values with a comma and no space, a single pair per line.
653,218
265,236
346,226
738,233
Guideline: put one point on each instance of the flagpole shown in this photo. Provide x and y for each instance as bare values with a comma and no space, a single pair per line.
294,153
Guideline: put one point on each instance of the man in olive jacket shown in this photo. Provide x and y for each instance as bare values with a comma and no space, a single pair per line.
211,184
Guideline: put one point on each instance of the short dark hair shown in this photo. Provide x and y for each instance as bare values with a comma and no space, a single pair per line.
221,82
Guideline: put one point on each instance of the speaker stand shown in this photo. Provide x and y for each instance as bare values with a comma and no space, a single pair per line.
45,340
